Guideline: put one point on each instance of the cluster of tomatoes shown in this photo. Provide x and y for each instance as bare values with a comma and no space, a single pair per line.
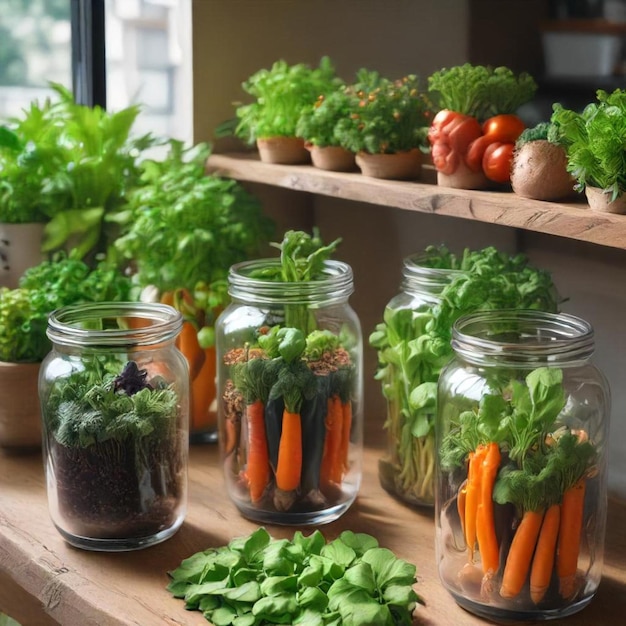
458,139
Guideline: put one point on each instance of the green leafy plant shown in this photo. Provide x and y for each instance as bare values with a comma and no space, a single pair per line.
258,581
62,281
413,346
385,116
594,141
281,93
68,165
481,91
318,123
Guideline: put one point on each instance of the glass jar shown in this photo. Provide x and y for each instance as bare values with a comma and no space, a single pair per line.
522,427
290,406
114,394
409,366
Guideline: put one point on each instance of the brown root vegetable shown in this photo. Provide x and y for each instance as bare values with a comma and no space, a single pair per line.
539,171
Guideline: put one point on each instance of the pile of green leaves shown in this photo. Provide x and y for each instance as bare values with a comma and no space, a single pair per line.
48,286
481,91
386,116
594,141
413,344
183,228
105,402
281,94
258,581
68,165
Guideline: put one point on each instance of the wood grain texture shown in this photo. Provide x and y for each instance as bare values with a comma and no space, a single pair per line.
573,220
76,587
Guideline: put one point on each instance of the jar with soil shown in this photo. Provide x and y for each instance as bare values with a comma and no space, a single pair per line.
409,381
522,438
290,390
114,395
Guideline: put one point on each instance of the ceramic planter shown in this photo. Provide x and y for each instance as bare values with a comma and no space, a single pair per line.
20,248
283,150
20,421
396,166
464,178
600,201
332,158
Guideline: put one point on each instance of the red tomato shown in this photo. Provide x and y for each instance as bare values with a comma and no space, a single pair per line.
505,127
439,123
497,161
462,132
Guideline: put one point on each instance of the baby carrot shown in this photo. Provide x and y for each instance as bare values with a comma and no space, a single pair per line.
258,468
472,497
485,526
289,466
569,538
331,469
543,561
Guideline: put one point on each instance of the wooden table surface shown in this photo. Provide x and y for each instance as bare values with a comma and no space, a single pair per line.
45,581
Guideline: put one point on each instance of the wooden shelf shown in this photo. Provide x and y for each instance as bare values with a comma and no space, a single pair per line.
45,581
573,221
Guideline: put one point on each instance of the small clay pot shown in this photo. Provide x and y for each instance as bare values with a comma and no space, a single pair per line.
405,165
598,200
20,419
332,158
464,178
283,150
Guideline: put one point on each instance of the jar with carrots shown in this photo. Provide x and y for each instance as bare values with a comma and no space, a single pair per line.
522,435
289,353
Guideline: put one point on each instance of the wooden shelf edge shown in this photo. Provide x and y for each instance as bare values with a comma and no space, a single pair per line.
504,208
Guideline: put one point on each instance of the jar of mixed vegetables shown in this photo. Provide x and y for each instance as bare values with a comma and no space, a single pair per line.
521,436
290,391
114,395
413,344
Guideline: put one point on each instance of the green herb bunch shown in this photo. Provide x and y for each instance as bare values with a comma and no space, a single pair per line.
183,229
413,345
319,123
481,91
67,165
107,402
386,116
594,141
259,581
48,286
281,94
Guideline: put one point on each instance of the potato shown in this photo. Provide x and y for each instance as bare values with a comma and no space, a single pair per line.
539,171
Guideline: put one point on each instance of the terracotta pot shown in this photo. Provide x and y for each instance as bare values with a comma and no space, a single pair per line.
20,420
332,158
283,150
600,201
464,178
397,166
20,248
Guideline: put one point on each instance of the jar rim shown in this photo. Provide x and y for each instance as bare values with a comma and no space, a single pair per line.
522,335
66,325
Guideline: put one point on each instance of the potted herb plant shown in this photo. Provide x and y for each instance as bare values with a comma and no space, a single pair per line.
473,135
180,232
594,141
63,166
387,125
281,93
23,342
318,126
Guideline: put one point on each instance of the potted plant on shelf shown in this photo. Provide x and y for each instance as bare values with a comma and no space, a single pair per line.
594,141
387,125
473,135
63,166
281,93
23,342
180,232
318,126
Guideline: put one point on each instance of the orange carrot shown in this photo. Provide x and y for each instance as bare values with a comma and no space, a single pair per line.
521,553
187,343
289,466
472,498
331,468
570,529
485,525
345,433
543,561
203,393
258,468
